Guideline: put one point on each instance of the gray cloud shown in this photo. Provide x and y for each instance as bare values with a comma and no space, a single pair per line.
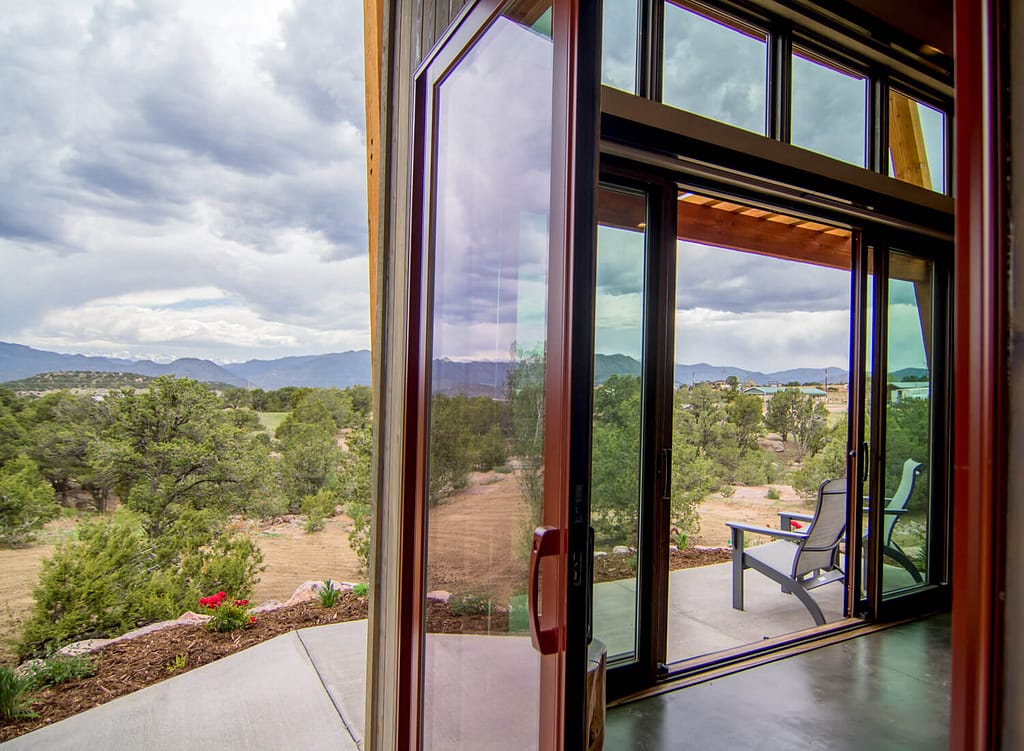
155,148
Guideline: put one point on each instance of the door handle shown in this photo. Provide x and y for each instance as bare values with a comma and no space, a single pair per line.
546,542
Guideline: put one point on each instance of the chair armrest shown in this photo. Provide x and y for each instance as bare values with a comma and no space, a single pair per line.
894,511
787,534
785,517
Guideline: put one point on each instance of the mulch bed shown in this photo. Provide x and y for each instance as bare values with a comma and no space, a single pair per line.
133,664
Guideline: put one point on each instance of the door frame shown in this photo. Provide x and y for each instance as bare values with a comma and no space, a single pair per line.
653,176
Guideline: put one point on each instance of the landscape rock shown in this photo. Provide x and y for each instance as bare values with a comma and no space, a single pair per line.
439,595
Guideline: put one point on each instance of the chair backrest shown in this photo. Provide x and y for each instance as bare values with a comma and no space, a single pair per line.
819,550
898,502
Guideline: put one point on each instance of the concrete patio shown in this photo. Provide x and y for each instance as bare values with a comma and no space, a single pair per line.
305,690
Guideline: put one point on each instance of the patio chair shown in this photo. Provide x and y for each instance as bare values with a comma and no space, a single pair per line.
895,507
798,561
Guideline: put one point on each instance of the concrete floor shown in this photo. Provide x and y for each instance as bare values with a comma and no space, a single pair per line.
701,617
886,691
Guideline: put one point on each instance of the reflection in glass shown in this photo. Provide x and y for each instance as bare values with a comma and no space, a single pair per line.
615,464
917,142
829,107
485,448
620,39
762,344
905,538
715,67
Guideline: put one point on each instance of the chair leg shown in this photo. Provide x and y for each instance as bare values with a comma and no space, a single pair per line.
737,569
897,554
812,607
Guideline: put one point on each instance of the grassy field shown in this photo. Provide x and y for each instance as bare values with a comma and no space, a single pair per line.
272,420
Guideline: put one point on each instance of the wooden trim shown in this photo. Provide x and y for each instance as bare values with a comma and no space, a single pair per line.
373,49
980,403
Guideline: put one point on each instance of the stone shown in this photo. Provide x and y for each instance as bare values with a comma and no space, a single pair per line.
439,595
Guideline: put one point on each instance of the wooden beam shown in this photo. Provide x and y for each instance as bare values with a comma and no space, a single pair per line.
373,25
906,142
709,221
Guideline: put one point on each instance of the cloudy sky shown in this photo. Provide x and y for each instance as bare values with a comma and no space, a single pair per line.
183,177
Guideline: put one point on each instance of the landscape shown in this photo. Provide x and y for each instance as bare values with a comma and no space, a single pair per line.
133,491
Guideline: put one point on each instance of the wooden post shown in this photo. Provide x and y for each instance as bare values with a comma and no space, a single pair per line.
373,23
906,142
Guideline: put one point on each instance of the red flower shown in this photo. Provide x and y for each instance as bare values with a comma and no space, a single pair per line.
252,619
241,603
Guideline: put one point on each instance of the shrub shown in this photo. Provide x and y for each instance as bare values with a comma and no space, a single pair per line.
27,501
115,578
226,615
328,594
362,589
57,669
318,507
772,494
14,690
470,603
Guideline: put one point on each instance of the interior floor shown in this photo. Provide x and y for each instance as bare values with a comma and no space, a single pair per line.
885,690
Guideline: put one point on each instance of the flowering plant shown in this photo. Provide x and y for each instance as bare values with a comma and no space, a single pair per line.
226,616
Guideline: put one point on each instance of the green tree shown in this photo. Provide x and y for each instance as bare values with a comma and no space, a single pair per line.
355,482
66,426
174,448
26,501
792,412
309,460
615,461
524,392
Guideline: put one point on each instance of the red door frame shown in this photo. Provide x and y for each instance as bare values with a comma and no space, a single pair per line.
980,388
474,19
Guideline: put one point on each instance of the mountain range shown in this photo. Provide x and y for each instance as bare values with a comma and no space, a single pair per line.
343,369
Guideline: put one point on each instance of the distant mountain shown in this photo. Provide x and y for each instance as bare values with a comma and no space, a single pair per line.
343,369
703,372
18,361
337,370
909,374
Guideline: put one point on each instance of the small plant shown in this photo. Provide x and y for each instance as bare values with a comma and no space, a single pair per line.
57,669
681,539
178,663
772,494
362,589
14,690
469,603
727,491
329,594
227,616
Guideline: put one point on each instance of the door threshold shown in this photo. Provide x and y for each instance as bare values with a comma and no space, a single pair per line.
720,664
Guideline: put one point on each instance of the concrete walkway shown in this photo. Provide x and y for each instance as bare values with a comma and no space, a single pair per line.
303,690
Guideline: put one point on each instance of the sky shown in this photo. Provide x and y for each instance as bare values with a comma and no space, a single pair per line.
187,178
183,178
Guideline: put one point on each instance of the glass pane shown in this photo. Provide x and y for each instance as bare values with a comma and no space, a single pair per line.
615,464
917,142
762,346
715,67
485,448
829,110
905,538
620,39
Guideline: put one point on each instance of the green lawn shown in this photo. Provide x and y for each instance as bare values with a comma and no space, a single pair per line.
271,420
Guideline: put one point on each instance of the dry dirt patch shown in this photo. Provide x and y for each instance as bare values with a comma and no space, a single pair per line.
749,504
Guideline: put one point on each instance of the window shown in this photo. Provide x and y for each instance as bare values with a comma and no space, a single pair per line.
715,67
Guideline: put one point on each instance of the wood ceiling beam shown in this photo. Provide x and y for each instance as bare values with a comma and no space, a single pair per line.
727,225
906,141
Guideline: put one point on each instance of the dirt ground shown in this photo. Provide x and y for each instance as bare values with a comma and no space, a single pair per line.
478,539
748,503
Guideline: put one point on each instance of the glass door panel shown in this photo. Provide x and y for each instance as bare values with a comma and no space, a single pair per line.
487,291
907,463
616,502
762,348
